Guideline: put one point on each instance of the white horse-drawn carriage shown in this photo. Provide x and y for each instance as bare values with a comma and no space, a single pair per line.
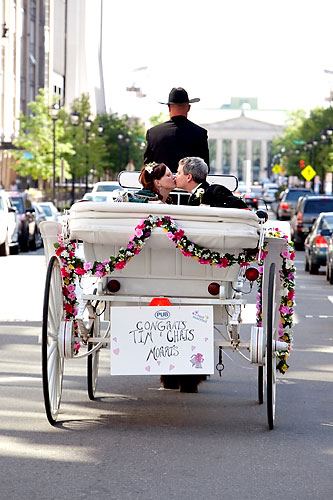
154,283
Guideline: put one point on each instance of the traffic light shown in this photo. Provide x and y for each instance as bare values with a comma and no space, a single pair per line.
302,163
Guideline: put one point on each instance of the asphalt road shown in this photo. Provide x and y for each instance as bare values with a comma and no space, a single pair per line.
138,442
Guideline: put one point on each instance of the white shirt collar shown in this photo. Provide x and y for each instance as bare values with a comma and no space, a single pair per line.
196,187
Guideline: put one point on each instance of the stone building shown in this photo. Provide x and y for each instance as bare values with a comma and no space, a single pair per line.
240,134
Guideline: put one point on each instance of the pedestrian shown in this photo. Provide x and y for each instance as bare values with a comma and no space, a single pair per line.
191,176
178,137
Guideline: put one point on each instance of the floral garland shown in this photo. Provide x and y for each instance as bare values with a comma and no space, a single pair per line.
287,278
73,267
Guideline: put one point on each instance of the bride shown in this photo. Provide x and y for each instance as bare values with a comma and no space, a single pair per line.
157,182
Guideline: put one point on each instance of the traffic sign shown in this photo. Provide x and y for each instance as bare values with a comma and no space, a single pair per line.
308,173
276,169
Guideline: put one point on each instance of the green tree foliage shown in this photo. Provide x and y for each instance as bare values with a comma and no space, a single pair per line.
89,147
157,119
298,142
35,141
124,140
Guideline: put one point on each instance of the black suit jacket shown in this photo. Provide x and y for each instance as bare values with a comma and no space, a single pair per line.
216,196
175,139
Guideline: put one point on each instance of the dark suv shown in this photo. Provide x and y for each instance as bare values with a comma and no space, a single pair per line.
28,227
288,202
307,210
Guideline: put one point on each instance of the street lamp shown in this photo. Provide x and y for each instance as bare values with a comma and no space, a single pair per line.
87,126
100,129
54,112
75,118
127,143
120,138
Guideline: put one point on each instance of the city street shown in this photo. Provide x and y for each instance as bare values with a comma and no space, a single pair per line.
138,442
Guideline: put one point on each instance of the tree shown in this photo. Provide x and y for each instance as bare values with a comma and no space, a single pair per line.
305,139
35,141
123,140
88,146
157,119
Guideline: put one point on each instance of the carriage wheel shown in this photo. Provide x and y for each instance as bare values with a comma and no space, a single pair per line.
52,361
270,358
93,362
260,384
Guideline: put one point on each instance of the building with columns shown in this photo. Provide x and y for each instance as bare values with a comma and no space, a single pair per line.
241,135
235,142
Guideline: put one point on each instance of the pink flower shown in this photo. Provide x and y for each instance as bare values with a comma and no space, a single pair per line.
72,296
260,269
120,265
138,232
87,266
80,271
170,235
71,288
285,253
285,310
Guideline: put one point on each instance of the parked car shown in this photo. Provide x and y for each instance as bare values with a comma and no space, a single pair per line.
9,226
27,218
307,210
252,196
269,195
288,202
50,210
316,243
329,259
106,186
37,241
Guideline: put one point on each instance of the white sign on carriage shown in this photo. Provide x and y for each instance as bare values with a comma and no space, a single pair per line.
162,340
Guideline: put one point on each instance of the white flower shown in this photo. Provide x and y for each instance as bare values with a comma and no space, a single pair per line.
150,167
199,193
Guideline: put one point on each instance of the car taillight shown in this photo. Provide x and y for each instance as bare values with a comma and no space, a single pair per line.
320,242
255,200
284,205
299,218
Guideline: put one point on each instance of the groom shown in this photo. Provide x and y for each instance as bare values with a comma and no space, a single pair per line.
191,176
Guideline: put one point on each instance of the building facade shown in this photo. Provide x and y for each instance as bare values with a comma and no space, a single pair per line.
52,44
238,142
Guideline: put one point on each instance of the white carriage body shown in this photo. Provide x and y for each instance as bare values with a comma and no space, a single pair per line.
161,269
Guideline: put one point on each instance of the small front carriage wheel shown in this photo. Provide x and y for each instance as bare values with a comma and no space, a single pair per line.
52,361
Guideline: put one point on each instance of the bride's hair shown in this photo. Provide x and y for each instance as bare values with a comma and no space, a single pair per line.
150,173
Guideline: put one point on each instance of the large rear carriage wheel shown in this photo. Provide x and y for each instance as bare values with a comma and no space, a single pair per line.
270,348
52,361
